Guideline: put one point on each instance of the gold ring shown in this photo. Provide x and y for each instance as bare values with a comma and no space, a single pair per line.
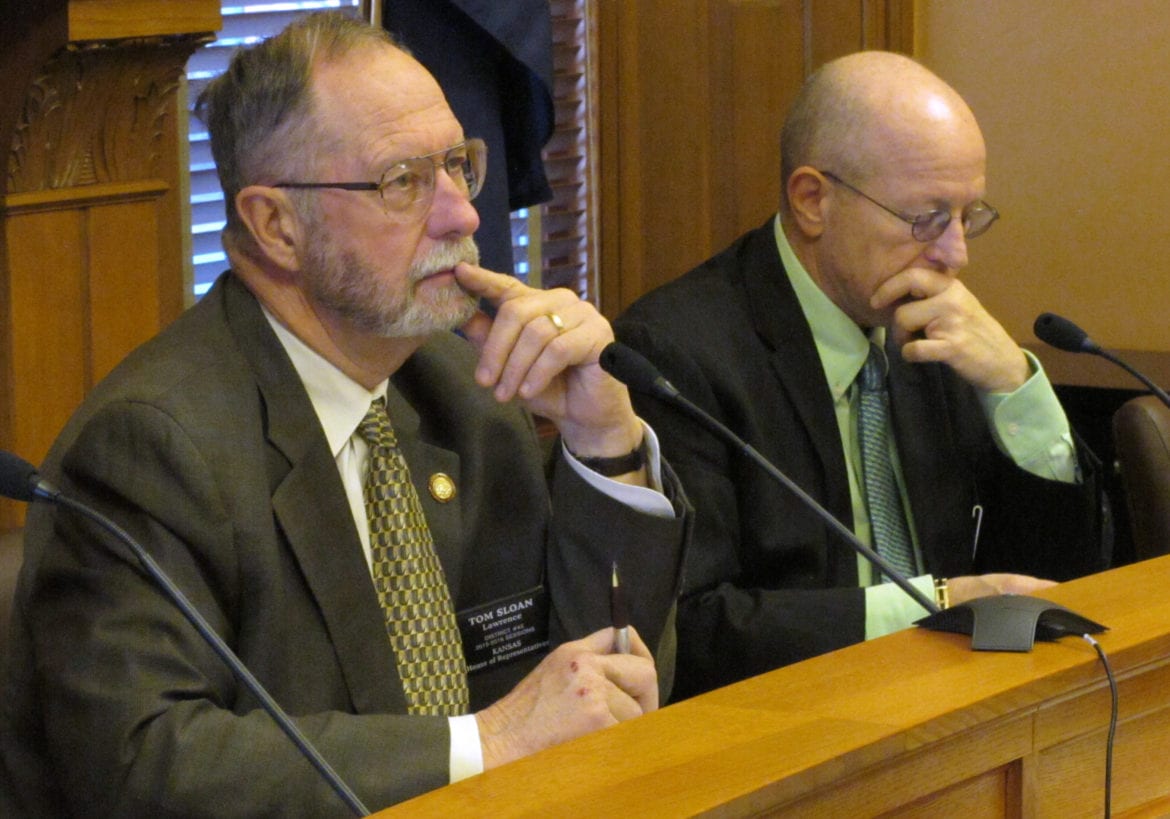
557,322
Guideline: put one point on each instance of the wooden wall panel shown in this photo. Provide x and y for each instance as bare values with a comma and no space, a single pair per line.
1073,103
79,297
46,249
1139,769
749,102
91,251
692,97
29,33
124,308
834,27
662,113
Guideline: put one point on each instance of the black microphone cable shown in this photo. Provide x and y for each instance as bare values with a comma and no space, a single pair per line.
1063,334
20,481
633,369
1112,721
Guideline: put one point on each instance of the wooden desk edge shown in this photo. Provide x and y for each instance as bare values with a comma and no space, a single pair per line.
783,735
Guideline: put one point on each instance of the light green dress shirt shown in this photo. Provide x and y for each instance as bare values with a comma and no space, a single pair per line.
1028,425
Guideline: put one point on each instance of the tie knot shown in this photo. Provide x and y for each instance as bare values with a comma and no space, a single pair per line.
873,374
376,428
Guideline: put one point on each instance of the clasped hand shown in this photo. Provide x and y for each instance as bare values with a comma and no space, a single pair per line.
551,365
578,688
936,318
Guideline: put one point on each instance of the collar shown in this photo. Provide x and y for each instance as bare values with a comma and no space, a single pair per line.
841,345
340,402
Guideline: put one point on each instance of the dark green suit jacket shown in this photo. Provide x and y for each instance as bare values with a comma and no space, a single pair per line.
204,446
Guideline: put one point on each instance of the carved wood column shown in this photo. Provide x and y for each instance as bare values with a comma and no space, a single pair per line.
92,255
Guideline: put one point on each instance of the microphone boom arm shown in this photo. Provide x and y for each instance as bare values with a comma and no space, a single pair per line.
1158,392
46,492
662,385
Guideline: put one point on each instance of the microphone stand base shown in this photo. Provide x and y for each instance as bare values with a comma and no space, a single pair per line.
1010,622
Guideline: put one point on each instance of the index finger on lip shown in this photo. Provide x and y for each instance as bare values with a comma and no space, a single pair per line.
908,285
495,287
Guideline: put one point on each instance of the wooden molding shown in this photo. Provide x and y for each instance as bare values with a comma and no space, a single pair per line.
84,196
97,115
114,19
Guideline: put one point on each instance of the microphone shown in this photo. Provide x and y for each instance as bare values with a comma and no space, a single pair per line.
632,369
20,481
1007,622
1057,331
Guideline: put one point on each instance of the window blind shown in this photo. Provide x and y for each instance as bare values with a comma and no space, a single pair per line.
242,25
551,244
554,244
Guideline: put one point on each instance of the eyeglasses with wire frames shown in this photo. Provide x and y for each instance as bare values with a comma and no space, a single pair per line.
407,187
926,227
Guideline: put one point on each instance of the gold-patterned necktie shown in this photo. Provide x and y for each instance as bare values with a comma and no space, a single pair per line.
420,617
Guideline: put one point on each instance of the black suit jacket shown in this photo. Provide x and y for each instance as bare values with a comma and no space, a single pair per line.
767,583
204,445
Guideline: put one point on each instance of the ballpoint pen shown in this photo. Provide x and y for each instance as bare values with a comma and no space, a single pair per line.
619,615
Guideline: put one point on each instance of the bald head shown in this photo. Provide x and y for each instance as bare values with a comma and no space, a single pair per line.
858,114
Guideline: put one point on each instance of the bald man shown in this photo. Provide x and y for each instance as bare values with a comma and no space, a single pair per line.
884,178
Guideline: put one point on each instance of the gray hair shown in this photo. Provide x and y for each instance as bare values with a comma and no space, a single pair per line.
260,111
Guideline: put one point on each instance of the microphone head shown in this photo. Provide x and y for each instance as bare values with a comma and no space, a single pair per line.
1059,332
632,369
18,478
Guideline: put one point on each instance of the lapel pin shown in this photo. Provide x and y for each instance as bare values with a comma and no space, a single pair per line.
441,486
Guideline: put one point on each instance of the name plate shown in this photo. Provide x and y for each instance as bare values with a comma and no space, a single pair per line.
504,630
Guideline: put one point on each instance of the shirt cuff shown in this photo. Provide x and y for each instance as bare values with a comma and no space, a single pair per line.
646,499
466,753
888,608
1030,427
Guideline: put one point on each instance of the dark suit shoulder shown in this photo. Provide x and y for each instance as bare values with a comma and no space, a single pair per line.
720,280
736,306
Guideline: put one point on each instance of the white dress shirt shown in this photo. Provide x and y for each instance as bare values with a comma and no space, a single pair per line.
341,404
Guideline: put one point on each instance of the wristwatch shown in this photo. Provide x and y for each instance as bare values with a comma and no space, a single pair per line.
942,593
620,465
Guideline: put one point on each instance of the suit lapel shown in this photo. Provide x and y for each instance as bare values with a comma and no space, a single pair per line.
780,322
313,515
939,491
432,469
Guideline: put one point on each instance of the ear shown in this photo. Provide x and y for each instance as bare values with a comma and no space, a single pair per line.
273,223
807,199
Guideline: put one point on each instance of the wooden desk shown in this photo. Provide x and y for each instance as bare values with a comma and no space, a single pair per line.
914,723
